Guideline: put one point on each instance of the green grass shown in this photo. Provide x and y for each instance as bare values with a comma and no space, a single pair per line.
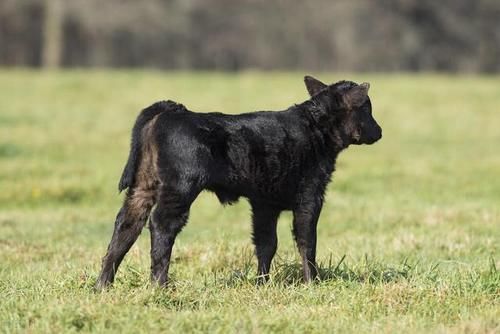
408,239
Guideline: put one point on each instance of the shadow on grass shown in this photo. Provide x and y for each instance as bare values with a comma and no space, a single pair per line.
286,273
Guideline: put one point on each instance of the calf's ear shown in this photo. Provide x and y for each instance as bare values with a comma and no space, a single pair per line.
313,85
357,96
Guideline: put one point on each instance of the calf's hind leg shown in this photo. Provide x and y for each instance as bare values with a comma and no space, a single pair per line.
128,225
168,219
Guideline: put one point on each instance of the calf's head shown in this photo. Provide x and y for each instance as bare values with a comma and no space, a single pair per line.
350,105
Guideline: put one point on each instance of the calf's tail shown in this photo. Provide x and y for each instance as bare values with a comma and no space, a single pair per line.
134,158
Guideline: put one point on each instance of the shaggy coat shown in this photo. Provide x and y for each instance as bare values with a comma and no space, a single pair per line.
279,160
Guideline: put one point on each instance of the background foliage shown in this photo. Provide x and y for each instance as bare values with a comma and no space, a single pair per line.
361,35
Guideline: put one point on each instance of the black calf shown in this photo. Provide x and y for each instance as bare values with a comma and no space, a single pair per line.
279,160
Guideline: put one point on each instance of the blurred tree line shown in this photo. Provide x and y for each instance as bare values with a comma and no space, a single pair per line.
344,35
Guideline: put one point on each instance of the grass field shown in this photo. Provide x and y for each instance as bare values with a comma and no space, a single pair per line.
409,237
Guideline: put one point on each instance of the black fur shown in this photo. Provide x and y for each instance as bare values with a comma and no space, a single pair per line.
146,115
279,160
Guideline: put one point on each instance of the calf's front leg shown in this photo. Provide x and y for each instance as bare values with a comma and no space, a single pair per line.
305,221
264,219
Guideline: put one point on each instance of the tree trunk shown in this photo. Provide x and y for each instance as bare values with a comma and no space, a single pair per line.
52,33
